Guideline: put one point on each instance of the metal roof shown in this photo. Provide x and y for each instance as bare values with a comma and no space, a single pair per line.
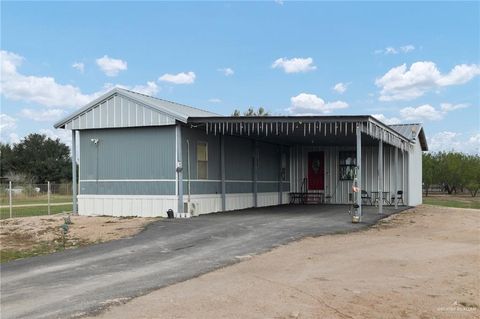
172,112
412,131
177,111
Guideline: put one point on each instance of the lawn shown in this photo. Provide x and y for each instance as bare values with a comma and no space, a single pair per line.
39,199
33,211
459,201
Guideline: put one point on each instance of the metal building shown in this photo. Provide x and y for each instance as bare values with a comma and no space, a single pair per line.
140,155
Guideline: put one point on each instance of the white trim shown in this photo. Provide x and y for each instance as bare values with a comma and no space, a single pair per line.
174,180
85,196
127,180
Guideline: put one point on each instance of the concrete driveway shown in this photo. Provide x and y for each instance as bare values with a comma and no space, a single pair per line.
87,280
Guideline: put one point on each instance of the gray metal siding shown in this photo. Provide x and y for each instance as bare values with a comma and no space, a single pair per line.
238,164
202,187
238,158
118,111
128,188
128,154
194,136
269,162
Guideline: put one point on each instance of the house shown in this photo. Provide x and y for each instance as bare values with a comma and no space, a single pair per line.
141,155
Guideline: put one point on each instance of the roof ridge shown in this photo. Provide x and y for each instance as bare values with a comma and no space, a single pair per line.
164,100
403,124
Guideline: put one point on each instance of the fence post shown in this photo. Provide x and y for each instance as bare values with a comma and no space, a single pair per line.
10,196
48,196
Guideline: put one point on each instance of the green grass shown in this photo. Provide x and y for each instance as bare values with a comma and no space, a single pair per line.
453,201
40,199
33,211
40,249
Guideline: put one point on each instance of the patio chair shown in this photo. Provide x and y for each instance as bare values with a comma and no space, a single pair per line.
398,198
366,197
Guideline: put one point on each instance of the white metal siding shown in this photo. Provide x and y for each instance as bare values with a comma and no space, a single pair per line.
117,112
340,190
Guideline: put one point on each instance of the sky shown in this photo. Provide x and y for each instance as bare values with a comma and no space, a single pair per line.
410,62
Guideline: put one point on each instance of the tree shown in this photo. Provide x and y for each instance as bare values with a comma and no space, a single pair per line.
429,175
453,171
6,159
472,172
42,159
251,112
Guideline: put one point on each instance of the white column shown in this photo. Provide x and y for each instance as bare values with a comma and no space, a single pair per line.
396,177
179,171
359,170
74,173
255,173
380,176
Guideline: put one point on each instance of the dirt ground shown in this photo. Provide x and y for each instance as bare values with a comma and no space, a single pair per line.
423,263
23,237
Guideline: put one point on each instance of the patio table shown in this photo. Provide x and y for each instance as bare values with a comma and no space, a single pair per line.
376,197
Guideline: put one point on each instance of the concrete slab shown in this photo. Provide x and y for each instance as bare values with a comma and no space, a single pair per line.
86,280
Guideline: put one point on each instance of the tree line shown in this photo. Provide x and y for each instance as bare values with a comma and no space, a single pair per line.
453,172
36,159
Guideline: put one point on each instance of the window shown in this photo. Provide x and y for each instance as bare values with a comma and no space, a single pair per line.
202,160
347,163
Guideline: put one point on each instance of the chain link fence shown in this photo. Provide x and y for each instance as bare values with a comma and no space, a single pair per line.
23,200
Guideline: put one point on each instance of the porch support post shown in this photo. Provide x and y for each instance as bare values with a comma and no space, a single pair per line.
396,177
74,173
380,175
359,167
255,173
280,149
222,171
179,170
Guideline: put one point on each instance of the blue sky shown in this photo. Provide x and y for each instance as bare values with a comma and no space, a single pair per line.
403,62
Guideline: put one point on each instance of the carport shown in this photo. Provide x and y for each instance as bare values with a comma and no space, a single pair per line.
328,155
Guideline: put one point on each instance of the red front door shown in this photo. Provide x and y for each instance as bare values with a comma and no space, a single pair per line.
316,171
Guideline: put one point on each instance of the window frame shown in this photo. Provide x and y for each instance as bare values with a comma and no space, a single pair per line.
349,167
198,161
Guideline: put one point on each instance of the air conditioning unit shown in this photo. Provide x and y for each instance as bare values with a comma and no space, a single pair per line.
191,208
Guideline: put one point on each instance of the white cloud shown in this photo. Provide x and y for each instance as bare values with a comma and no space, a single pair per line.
387,120
226,71
65,136
447,107
79,66
179,78
400,83
428,112
111,66
422,112
215,100
453,141
151,88
8,125
294,65
407,48
279,2
306,103
42,90
340,87
45,115
392,50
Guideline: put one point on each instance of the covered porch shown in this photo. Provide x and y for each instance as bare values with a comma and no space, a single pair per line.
327,155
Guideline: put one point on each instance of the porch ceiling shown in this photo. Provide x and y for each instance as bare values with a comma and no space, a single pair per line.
309,130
